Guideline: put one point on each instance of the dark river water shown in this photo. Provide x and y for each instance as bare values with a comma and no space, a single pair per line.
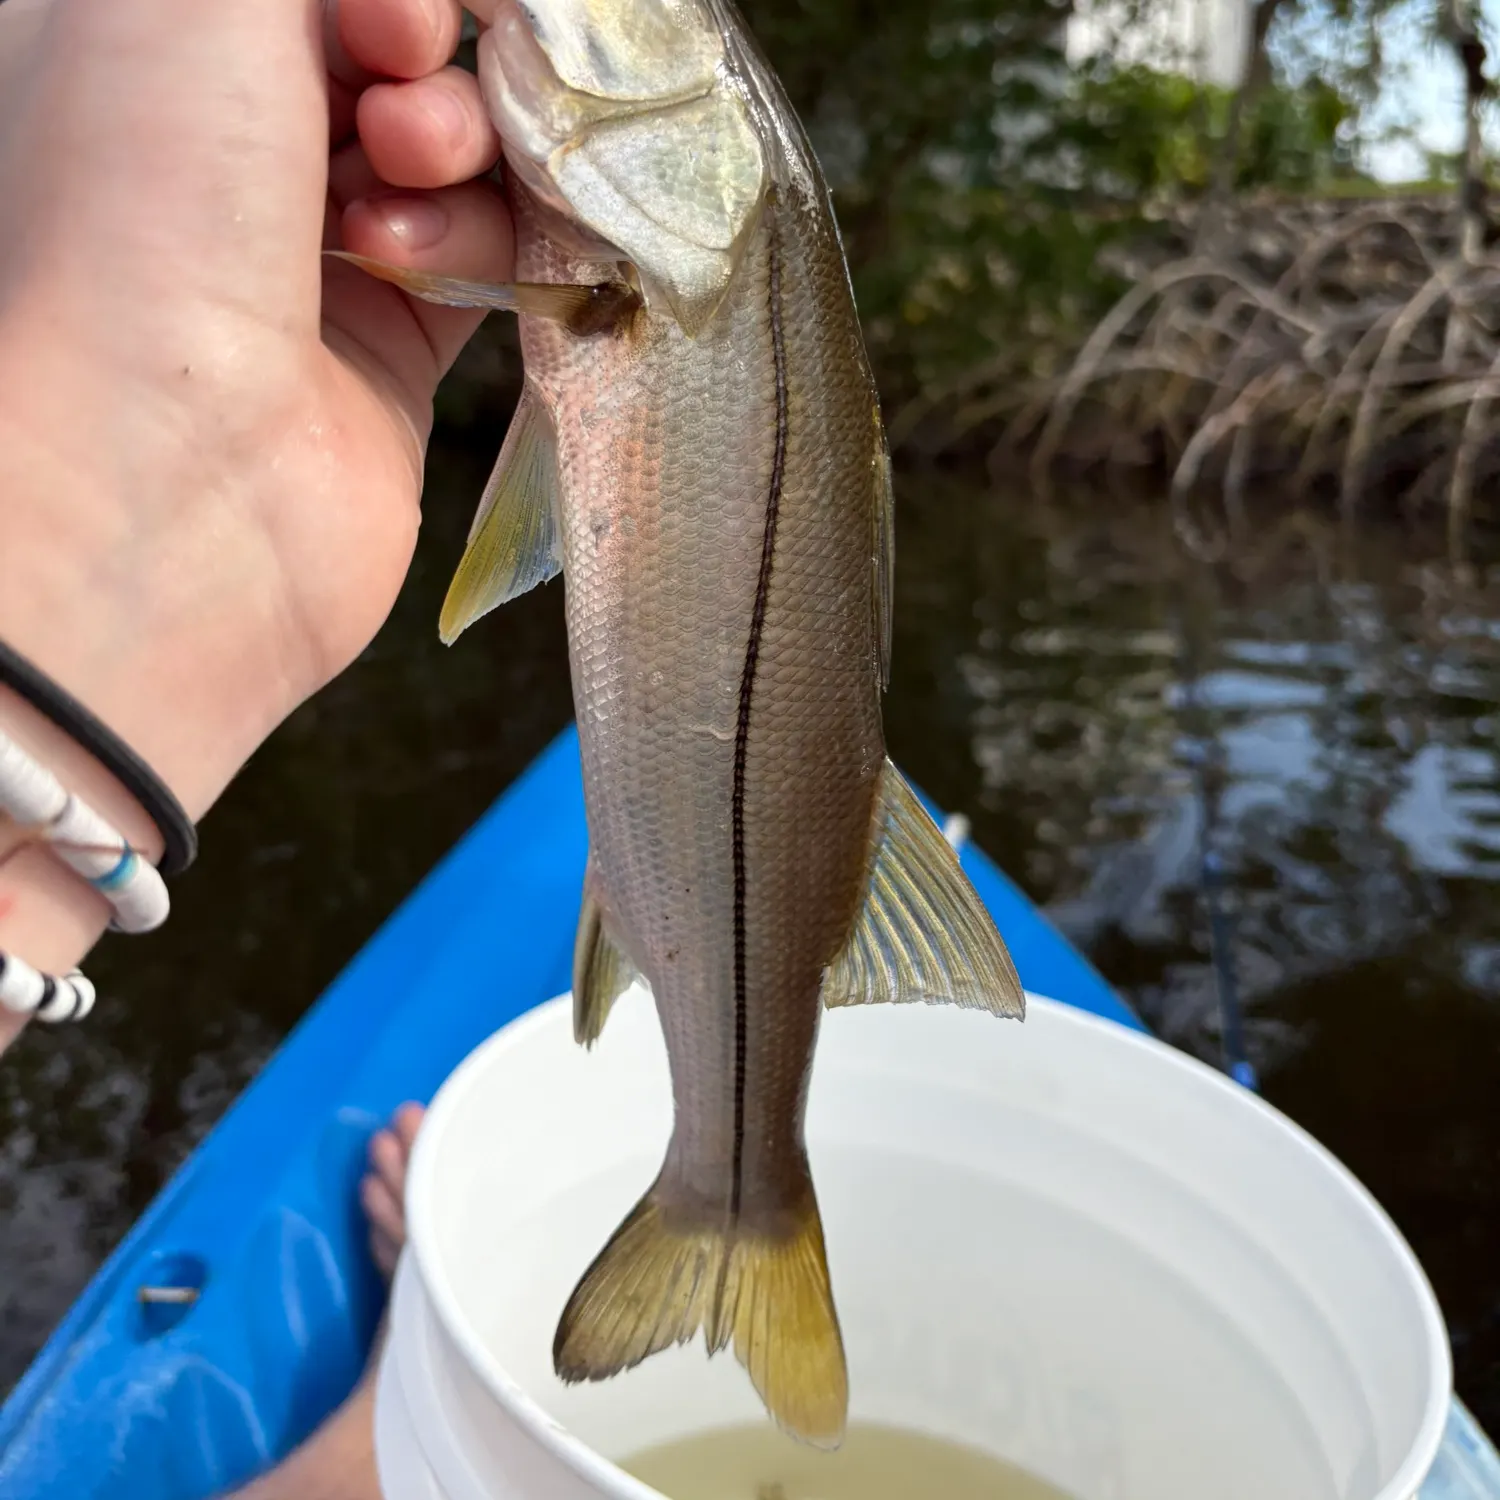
1095,702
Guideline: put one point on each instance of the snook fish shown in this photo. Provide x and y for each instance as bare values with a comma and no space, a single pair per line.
699,450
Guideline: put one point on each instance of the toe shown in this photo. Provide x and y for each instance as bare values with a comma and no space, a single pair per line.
388,1155
406,1121
382,1192
386,1220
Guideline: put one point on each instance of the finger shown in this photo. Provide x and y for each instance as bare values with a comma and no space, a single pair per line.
399,38
428,134
483,11
462,231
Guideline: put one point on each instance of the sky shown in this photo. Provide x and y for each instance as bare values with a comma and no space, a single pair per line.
1421,91
1424,90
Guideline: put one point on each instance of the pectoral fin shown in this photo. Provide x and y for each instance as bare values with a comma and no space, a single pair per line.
601,970
513,543
580,309
924,934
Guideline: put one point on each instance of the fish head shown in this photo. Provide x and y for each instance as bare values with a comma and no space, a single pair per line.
624,121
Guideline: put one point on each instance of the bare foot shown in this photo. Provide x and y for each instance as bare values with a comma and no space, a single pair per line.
338,1461
382,1193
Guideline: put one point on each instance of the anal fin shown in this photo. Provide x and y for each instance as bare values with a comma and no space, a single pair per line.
923,933
601,970
513,543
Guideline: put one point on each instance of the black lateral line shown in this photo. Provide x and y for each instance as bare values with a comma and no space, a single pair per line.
747,694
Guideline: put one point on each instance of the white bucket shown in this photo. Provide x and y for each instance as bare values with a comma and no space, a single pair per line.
1060,1242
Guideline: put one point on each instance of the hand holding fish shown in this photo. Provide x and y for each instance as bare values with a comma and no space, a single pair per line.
211,436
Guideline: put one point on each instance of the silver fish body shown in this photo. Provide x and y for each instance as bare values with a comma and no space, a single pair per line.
706,464
718,530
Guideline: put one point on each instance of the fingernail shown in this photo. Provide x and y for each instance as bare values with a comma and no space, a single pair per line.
418,223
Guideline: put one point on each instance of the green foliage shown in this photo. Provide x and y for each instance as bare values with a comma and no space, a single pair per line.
1139,133
1295,138
1143,134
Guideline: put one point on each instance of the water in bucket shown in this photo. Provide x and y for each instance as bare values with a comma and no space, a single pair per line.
1070,1250
755,1462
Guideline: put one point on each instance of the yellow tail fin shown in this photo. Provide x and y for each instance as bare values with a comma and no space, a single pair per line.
656,1284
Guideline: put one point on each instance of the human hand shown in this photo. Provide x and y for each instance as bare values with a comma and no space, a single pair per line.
211,436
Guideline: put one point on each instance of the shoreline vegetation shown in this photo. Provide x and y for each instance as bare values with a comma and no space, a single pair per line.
1343,349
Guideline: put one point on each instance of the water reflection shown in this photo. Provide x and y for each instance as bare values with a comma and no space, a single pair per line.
1324,716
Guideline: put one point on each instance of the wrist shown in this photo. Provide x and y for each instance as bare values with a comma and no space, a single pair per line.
118,601
72,603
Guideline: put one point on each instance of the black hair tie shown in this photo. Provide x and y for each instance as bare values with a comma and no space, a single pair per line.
179,837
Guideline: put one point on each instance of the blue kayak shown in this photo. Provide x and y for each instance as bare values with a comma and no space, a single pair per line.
262,1297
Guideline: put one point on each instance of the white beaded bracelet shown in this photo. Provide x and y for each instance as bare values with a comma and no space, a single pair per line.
31,796
52,997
